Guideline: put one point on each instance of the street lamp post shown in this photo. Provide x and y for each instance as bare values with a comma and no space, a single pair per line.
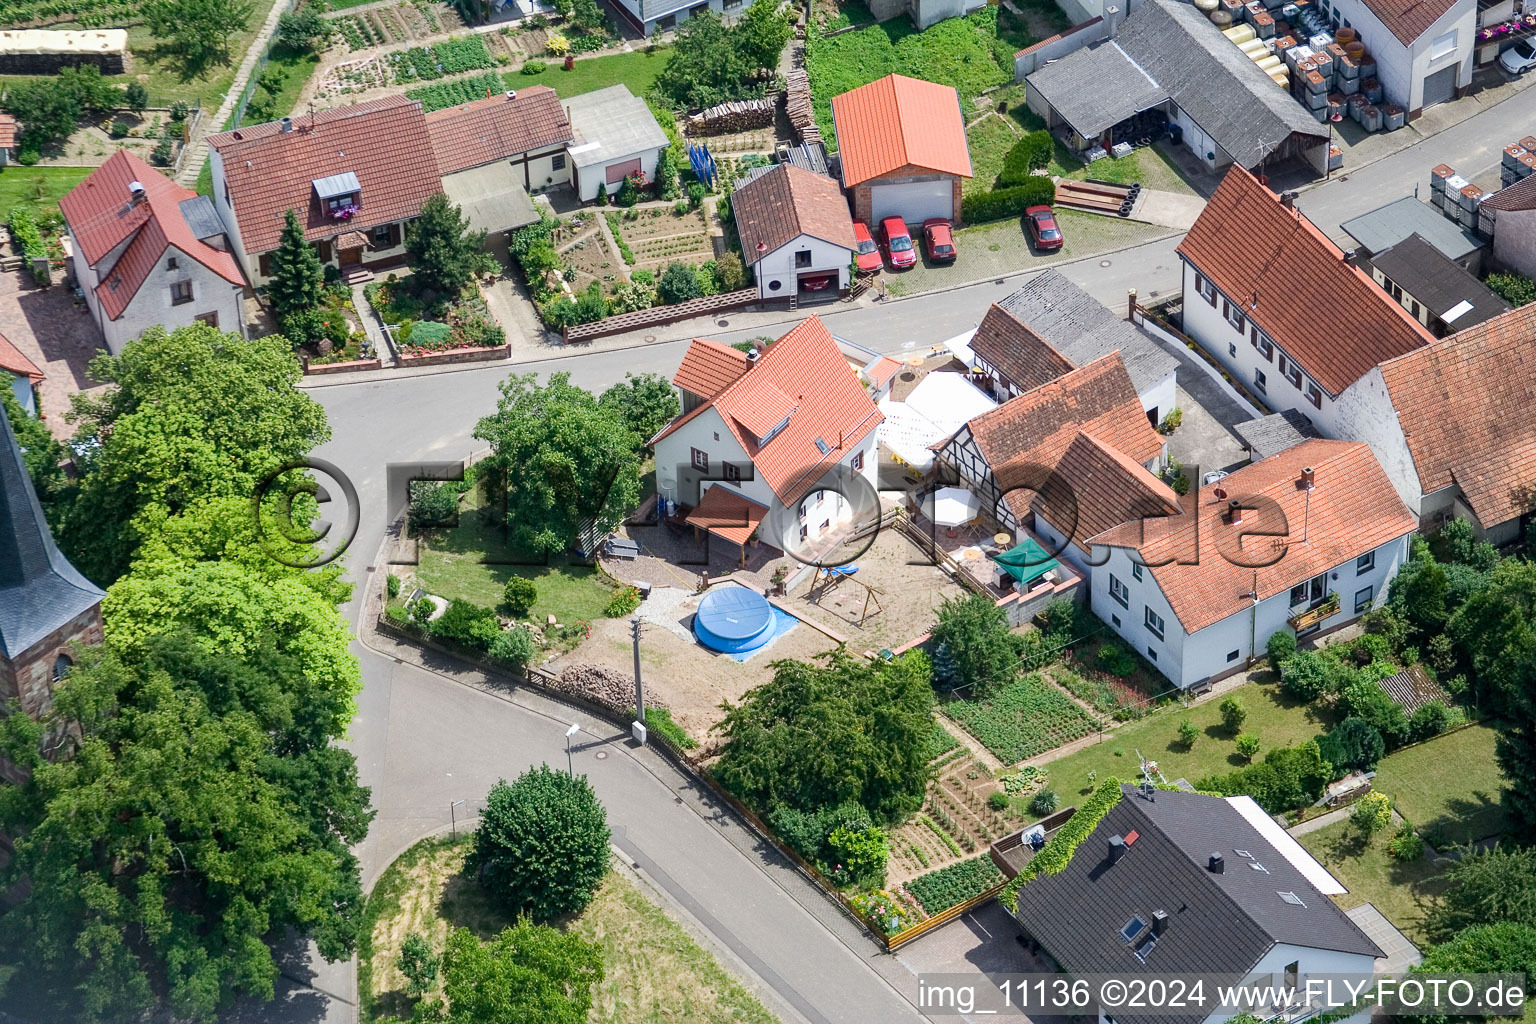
570,766
453,822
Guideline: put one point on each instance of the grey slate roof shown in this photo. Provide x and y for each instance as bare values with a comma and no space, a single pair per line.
1120,88
201,217
1385,226
1217,923
39,590
1424,272
1083,329
1272,434
1212,80
611,124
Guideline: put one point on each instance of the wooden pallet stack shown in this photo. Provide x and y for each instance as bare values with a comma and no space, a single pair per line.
737,116
799,108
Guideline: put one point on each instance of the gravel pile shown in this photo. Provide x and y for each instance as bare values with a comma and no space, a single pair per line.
606,685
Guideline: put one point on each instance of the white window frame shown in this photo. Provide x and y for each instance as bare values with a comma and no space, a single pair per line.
1260,382
1205,289
1119,592
1365,563
1364,597
1314,395
1154,622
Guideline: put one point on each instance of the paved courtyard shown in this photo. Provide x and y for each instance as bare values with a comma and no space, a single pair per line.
56,332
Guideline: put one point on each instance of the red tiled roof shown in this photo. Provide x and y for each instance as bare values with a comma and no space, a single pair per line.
1409,19
269,171
807,368
7,131
775,208
13,360
1195,556
1326,313
1103,489
484,131
895,122
102,215
1519,196
1464,404
883,370
708,367
727,513
1037,427
1008,345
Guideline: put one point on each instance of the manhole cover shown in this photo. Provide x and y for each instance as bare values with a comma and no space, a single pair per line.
722,323
650,338
1104,263
602,754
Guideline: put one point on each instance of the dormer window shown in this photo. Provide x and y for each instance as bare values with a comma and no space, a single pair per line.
340,195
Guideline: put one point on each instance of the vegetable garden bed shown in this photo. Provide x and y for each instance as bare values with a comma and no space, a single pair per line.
1021,719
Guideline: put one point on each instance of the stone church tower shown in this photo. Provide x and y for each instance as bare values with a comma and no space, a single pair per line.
45,604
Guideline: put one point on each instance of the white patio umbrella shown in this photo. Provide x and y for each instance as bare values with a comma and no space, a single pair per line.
952,506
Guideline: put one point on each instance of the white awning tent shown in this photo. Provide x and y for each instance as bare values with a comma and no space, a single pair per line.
940,405
952,506
960,347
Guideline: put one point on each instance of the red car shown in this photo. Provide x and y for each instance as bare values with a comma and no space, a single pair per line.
898,243
1042,228
867,253
938,240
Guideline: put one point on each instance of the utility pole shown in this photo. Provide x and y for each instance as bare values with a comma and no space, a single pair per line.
634,632
453,822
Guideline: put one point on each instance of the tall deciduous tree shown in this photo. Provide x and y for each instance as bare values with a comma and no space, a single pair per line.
706,66
195,414
565,460
298,279
845,730
527,973
542,844
646,401
442,248
1485,887
198,31
974,634
195,813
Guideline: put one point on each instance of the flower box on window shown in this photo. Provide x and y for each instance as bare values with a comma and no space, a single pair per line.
345,212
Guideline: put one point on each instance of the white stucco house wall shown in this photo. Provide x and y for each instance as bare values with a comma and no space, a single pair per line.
1305,540
1423,52
148,253
779,446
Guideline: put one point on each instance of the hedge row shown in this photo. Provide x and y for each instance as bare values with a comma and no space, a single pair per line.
1008,202
1058,851
1029,154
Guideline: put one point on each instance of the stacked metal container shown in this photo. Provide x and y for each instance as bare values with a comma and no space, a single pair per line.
1438,176
1393,117
1471,198
1519,161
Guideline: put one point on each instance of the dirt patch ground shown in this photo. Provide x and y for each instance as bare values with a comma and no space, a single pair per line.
692,680
912,589
659,236
57,333
584,248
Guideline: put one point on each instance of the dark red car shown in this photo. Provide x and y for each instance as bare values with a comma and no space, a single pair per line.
865,249
1042,228
939,240
898,243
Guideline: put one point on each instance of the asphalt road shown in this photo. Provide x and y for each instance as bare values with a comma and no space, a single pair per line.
423,740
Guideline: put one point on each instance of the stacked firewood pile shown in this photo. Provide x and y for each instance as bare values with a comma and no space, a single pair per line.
798,106
736,116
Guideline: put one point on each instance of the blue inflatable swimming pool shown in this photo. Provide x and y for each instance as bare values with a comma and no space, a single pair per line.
734,620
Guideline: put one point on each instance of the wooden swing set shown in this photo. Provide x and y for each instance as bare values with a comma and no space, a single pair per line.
828,579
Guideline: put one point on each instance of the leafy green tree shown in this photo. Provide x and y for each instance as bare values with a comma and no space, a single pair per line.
1353,743
1371,814
1486,886
514,646
665,178
974,632
1247,746
585,15
304,30
1456,542
44,456
1428,720
298,278
197,32
1418,592
729,270
1287,778
432,503
821,735
646,401
135,96
44,114
760,35
520,594
862,853
1499,948
418,962
591,304
1513,288
194,414
1307,675
1233,714
1280,647
1364,698
203,806
442,248
564,458
88,88
527,973
1188,733
708,66
542,844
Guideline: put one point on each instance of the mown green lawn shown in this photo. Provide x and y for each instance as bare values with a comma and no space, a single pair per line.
963,52
1449,788
989,140
1277,720
1404,891
36,186
637,70
453,563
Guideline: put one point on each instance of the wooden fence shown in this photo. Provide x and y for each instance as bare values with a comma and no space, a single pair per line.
660,315
943,917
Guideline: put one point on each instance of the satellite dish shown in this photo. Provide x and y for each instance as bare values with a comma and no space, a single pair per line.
1220,493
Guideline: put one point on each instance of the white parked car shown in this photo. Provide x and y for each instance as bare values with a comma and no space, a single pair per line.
1519,58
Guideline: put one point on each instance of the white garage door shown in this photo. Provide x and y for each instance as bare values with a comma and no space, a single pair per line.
914,201
1440,86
